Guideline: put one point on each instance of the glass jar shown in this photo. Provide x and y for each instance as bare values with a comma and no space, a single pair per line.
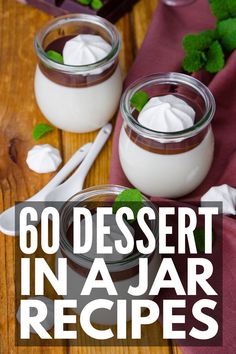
77,98
123,272
178,2
163,164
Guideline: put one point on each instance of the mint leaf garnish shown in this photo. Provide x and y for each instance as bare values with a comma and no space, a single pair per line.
229,41
139,99
84,2
232,7
208,48
96,4
131,198
226,27
55,56
199,235
40,130
220,9
194,61
200,41
223,9
215,58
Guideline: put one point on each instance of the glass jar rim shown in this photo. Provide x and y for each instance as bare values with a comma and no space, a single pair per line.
168,78
99,191
83,18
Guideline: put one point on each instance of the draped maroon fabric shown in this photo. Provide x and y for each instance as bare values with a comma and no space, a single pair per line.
162,52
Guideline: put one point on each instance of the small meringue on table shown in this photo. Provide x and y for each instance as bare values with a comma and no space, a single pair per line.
224,194
43,158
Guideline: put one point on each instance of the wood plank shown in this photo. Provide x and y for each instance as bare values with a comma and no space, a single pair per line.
18,115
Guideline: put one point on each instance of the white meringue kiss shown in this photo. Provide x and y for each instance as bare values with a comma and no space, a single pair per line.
86,49
167,114
43,158
224,194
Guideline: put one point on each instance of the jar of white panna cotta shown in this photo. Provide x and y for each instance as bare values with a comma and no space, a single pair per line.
77,98
123,272
163,164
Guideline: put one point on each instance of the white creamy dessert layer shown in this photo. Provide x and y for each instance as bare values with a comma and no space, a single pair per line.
80,109
169,176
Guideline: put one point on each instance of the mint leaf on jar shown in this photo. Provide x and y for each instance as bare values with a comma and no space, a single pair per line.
139,99
55,56
131,198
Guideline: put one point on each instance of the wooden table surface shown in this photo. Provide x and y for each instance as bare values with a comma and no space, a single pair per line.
18,115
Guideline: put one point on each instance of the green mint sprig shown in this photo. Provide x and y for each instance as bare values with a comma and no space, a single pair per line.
226,31
55,56
200,41
199,235
40,130
131,198
229,41
215,58
94,4
208,49
223,9
225,27
84,2
97,4
203,51
139,99
194,61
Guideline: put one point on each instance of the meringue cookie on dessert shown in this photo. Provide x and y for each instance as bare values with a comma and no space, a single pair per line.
43,158
224,194
167,114
85,49
49,320
109,240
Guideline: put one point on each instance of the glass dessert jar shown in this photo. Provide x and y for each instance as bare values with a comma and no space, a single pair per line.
169,164
124,272
178,2
77,98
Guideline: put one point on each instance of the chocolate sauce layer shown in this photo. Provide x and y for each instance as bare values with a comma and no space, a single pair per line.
73,80
171,148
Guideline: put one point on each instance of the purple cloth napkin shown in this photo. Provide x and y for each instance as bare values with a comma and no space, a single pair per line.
162,52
